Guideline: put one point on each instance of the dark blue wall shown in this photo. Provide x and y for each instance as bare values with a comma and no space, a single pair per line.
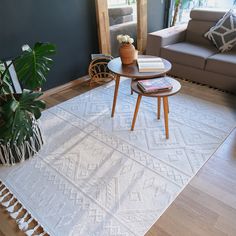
70,24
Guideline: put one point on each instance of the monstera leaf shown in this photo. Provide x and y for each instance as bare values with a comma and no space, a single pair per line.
16,116
34,64
19,111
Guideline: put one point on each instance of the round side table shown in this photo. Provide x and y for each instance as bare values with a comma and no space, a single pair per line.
132,71
160,95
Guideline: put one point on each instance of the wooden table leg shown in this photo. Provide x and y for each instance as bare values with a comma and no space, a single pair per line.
131,90
136,111
165,104
115,95
158,108
168,105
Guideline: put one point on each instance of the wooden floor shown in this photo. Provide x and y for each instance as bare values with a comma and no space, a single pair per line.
66,94
206,207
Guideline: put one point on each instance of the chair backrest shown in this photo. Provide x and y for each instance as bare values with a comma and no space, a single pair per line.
201,21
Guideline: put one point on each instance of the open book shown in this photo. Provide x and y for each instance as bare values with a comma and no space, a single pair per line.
154,85
154,64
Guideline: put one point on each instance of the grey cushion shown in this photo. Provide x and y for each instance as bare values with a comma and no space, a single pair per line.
188,54
223,34
202,14
223,63
196,30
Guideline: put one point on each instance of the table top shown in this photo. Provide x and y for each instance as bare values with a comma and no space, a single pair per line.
176,88
132,71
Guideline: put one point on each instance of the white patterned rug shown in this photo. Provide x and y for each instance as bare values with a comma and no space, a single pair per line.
95,177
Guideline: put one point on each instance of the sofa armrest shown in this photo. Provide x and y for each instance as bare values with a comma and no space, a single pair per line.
157,40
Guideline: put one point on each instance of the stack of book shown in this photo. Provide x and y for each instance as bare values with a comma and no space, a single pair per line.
152,64
154,85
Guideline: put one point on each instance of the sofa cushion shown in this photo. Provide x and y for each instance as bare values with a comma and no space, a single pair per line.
196,30
207,14
223,34
223,63
201,21
188,54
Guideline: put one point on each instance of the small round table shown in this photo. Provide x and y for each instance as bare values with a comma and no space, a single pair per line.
132,71
165,94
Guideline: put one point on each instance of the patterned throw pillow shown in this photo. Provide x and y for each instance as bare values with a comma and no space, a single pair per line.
223,34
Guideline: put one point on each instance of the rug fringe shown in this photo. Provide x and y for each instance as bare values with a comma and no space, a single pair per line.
14,208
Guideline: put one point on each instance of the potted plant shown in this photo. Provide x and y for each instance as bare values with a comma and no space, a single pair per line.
127,49
20,135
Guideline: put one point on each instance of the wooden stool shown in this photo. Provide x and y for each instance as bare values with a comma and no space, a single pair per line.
131,71
160,95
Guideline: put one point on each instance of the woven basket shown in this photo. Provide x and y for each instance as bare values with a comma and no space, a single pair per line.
99,72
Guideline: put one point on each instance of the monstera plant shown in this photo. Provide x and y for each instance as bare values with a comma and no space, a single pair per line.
20,136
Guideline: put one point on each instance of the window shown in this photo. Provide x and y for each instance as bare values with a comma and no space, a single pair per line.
186,6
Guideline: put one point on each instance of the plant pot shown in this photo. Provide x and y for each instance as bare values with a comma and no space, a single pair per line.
11,154
127,53
19,146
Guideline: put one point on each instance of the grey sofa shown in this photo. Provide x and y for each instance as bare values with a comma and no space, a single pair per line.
121,22
192,55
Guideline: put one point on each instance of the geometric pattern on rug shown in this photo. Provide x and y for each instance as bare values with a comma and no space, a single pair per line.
95,177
